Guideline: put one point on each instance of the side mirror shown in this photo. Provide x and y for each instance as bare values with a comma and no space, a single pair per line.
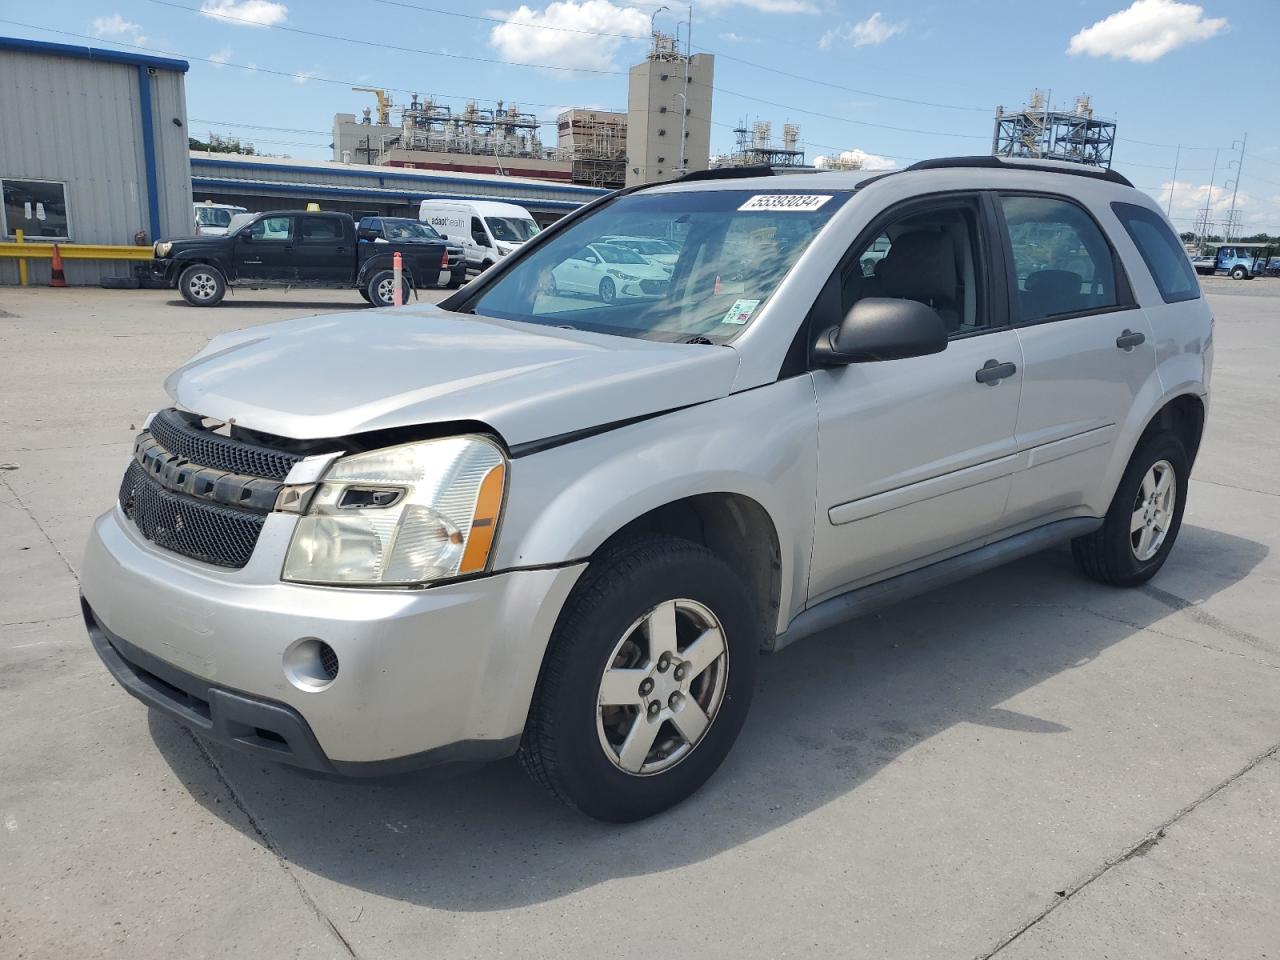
480,239
245,237
364,233
880,328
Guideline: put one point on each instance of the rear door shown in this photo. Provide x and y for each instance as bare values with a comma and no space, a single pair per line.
1087,348
916,456
323,252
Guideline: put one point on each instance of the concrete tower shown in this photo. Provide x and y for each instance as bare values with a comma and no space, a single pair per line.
657,95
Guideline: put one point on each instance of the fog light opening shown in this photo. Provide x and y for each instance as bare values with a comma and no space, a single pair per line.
310,664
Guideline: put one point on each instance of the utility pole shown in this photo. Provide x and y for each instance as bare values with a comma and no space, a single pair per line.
1231,217
1208,200
1172,183
684,100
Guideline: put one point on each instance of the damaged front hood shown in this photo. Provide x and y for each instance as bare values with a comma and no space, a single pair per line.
349,373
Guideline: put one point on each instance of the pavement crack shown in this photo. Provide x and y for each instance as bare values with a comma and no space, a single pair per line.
17,498
1139,849
1173,636
269,843
1201,616
1235,486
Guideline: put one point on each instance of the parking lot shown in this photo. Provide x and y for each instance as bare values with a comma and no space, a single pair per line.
1027,764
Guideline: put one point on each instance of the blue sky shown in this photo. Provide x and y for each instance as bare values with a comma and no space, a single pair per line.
1167,71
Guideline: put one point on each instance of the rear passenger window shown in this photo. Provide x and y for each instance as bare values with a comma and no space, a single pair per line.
1161,251
1062,262
320,230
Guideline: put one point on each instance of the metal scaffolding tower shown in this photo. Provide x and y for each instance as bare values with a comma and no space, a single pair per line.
1041,132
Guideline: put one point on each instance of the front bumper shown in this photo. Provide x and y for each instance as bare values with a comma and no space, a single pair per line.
425,676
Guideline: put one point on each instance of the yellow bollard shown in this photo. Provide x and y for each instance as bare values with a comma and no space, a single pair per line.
22,264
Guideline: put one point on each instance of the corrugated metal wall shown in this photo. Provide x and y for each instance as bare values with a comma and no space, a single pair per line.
79,121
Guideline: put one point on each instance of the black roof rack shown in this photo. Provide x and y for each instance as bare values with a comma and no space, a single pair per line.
724,173
1075,169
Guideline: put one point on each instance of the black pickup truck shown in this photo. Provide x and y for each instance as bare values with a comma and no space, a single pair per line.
294,248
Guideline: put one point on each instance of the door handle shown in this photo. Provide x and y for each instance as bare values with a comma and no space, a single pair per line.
1128,340
993,371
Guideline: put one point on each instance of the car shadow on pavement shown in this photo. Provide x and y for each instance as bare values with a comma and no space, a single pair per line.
828,715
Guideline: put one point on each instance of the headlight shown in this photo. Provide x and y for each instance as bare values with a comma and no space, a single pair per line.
623,276
409,514
162,248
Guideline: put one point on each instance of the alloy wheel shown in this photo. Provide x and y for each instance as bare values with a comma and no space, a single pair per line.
662,687
203,286
1153,510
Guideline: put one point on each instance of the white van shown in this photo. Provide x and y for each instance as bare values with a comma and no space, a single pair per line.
486,229
212,219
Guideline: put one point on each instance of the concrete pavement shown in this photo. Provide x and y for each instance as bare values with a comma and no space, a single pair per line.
1022,765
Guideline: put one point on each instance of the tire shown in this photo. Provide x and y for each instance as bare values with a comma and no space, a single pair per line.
608,291
1239,273
202,285
380,290
454,284
575,747
1116,553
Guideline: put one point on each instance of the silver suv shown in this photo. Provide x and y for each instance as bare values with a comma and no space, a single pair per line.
567,524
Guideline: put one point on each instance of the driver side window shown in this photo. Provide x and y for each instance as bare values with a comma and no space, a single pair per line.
272,228
929,256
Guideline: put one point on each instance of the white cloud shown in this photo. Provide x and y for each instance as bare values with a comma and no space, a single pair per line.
1253,213
764,6
254,13
870,32
732,37
221,57
1146,31
116,27
563,47
869,161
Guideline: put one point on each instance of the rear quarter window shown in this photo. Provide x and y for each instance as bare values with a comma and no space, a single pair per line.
1160,250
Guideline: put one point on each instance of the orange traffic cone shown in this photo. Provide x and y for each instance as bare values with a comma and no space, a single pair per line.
56,277
718,290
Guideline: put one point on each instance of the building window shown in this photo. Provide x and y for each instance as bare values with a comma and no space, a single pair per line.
36,207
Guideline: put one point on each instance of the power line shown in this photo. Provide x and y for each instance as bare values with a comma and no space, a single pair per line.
861,123
383,46
719,53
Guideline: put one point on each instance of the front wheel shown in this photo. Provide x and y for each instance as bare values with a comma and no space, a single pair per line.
646,681
1144,518
608,292
380,290
202,285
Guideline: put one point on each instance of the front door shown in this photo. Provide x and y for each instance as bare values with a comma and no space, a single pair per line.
1088,350
916,456
264,250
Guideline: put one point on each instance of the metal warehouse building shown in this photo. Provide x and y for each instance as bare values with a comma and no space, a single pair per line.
93,150
267,183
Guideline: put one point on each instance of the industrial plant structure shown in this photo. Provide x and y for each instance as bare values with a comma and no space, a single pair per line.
755,147
1038,131
595,142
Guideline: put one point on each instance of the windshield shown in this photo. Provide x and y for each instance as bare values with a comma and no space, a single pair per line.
214,216
408,230
651,247
615,254
511,229
732,248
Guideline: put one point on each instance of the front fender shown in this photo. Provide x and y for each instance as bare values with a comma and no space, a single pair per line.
565,502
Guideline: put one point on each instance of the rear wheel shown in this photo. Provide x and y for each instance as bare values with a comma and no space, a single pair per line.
646,681
202,285
380,290
1144,518
1239,273
608,292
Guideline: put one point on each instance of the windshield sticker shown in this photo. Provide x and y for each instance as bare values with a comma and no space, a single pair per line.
801,202
741,311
